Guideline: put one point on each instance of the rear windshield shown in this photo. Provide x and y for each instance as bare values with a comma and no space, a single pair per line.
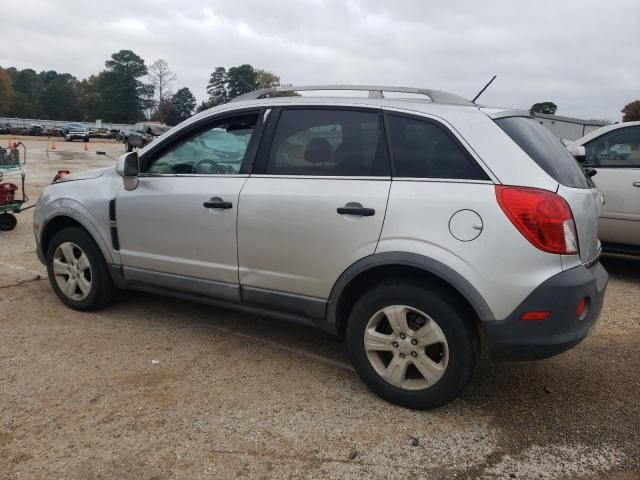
545,149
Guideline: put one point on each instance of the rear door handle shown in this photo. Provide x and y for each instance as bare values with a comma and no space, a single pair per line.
217,203
636,184
360,211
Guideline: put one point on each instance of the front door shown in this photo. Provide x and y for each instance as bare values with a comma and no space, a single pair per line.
616,157
177,229
314,205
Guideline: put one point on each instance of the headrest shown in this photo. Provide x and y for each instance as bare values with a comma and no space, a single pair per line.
318,150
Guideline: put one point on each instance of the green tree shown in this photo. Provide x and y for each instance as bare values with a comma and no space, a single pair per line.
265,79
27,86
544,107
124,98
631,111
203,106
6,91
183,104
58,98
89,99
217,88
241,79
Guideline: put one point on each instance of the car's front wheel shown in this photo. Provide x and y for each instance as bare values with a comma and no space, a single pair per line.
412,343
77,271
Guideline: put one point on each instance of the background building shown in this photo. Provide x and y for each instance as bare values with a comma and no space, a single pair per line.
566,127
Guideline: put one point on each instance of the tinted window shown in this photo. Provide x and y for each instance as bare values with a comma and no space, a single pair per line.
421,149
219,149
619,148
545,149
328,142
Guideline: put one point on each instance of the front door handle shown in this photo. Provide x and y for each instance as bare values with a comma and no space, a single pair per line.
636,184
217,203
360,211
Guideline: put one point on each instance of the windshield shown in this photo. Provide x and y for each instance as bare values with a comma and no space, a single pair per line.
545,149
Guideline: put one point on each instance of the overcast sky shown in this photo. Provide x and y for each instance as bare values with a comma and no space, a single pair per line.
584,55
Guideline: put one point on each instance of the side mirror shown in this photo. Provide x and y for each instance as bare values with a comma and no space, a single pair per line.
578,151
128,168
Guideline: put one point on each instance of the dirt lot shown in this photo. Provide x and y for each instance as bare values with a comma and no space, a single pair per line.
153,388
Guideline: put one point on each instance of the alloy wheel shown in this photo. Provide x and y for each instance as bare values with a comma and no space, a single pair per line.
406,347
72,271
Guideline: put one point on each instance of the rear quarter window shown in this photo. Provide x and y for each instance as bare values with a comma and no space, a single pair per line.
422,149
544,149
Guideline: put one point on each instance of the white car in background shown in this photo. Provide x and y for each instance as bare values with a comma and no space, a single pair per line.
614,152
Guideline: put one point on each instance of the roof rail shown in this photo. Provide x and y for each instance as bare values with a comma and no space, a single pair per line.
375,91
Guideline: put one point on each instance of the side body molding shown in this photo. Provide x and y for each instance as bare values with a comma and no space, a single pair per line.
414,260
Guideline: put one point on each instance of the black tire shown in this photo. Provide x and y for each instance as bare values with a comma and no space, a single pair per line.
455,322
7,222
128,147
102,290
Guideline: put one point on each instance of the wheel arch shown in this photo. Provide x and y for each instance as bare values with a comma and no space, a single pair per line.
67,220
379,267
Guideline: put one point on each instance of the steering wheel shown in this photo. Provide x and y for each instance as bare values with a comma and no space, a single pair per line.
215,166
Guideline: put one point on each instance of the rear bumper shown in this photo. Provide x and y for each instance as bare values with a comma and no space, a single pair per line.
516,339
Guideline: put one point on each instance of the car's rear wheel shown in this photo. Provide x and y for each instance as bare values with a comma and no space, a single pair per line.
77,271
412,344
128,146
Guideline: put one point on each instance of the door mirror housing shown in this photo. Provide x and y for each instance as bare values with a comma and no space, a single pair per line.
128,165
128,168
578,152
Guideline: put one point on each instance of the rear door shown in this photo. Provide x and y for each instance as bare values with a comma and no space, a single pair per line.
314,205
616,157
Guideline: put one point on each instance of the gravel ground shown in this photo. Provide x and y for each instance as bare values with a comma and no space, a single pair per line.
153,388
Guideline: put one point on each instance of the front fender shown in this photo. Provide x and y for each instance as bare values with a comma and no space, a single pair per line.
66,207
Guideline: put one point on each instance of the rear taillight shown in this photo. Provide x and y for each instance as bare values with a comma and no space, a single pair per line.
543,217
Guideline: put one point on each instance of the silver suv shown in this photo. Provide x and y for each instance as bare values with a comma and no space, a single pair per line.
422,230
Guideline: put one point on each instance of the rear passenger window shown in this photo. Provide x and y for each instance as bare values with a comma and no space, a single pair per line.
421,149
328,143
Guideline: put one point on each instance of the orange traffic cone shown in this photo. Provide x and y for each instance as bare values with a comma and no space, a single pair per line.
53,145
86,147
10,144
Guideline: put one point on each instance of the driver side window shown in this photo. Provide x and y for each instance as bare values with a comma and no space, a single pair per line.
217,150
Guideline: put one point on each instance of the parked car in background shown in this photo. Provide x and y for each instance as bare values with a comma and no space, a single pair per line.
122,135
144,133
421,230
614,153
68,126
35,130
77,132
101,133
5,129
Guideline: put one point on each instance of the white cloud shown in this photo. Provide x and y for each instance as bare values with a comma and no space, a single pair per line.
583,55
